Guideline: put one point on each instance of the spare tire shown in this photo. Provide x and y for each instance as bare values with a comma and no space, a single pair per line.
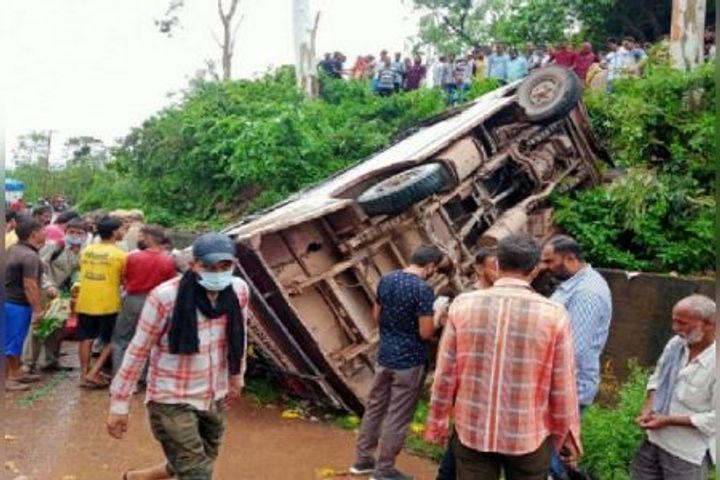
549,93
396,194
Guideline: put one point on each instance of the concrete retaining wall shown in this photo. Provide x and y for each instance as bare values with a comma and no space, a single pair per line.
642,305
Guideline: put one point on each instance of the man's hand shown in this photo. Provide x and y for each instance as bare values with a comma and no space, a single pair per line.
37,315
233,395
436,437
569,453
117,425
654,422
52,292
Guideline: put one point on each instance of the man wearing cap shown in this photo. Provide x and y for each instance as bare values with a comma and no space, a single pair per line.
192,329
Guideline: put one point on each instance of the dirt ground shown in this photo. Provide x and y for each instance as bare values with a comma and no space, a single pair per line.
57,432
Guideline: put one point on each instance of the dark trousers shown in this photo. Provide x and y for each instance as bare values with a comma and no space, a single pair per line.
390,408
125,327
447,468
475,465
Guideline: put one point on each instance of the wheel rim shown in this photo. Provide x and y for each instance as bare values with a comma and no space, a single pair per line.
544,92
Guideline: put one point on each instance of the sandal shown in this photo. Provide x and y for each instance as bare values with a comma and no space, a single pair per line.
90,385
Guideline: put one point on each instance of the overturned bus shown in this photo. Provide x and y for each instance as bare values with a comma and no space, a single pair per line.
460,181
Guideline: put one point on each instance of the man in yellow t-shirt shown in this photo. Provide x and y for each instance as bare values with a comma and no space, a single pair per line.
101,270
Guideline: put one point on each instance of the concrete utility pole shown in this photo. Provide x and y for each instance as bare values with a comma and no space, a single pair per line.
305,57
687,33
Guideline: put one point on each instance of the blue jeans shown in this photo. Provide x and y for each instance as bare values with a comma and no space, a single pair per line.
557,468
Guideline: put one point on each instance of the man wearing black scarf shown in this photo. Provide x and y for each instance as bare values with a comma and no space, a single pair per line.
193,330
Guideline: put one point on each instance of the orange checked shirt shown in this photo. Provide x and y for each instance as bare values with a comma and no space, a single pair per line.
506,370
197,379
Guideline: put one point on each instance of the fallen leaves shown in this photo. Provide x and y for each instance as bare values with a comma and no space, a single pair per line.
327,472
291,414
9,438
10,465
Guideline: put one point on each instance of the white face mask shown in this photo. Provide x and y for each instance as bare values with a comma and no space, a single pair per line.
215,281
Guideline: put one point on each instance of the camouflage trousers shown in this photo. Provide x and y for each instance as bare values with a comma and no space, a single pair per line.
189,437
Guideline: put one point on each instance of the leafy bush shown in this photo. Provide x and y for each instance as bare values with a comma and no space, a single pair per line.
660,214
610,436
227,148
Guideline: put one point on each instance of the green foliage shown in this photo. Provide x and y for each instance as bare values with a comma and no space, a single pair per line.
660,214
230,147
610,436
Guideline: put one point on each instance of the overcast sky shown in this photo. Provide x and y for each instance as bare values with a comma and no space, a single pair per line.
100,67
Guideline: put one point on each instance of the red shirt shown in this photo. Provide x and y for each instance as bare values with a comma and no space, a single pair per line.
583,63
566,58
146,269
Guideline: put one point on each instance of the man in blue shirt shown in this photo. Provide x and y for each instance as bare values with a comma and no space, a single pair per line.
496,64
517,66
404,312
586,296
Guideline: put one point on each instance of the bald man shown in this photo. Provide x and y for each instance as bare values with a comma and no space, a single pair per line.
679,414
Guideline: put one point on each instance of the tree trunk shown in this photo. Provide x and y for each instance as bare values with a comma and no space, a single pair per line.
229,30
687,33
305,32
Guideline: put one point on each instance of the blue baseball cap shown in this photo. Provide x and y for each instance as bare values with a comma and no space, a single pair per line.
213,248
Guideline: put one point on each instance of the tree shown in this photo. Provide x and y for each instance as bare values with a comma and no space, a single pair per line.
305,57
85,150
230,24
453,25
31,148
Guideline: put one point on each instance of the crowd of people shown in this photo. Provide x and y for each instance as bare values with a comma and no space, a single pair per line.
104,264
505,64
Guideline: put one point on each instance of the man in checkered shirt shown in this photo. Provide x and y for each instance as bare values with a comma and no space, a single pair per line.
506,373
193,330
586,296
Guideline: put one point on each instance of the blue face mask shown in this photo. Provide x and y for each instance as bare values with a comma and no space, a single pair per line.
73,241
215,281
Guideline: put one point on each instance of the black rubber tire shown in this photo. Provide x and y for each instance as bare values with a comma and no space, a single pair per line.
396,194
565,96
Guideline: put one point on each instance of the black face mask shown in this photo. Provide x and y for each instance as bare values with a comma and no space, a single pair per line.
141,245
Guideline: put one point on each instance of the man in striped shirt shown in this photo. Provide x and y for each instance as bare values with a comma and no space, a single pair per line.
193,331
505,370
586,296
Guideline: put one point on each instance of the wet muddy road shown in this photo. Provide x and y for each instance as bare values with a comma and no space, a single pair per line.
57,432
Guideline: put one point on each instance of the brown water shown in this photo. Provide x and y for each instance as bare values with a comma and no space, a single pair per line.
60,435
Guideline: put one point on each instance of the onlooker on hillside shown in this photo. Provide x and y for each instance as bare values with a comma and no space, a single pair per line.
398,67
517,66
385,81
61,265
564,56
23,303
101,269
506,418
496,64
586,296
145,269
679,414
631,58
533,55
479,66
404,313
584,60
326,65
415,75
358,70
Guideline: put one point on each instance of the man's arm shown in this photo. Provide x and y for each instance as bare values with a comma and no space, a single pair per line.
32,292
237,382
